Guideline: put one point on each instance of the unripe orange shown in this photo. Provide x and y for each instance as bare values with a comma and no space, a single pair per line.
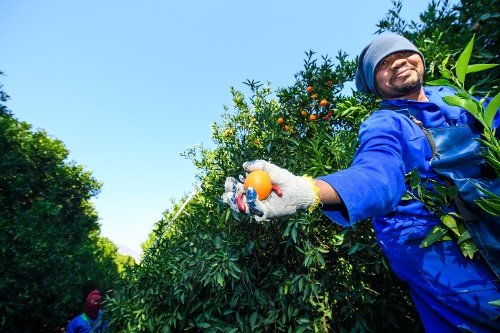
315,96
261,182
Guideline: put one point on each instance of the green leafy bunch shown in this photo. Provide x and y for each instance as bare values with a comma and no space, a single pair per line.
441,197
437,198
455,78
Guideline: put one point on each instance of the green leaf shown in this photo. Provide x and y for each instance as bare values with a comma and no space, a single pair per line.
439,82
464,236
435,235
338,239
322,250
445,61
353,249
294,234
479,67
407,196
253,319
220,279
491,110
415,179
466,104
451,223
495,303
468,248
218,242
446,74
485,191
491,206
463,61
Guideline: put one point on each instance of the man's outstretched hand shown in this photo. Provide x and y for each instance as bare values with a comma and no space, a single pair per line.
297,192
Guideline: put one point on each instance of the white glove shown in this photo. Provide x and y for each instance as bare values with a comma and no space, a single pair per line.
296,193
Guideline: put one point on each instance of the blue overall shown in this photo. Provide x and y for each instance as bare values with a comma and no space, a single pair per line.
84,324
451,292
458,158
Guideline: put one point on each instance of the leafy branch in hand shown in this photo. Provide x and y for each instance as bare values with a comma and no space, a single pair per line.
438,201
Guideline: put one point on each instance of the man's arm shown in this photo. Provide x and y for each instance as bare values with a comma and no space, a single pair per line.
327,194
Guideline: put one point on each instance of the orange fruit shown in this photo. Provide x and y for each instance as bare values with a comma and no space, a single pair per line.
323,102
281,121
303,113
287,128
261,182
309,89
312,117
315,96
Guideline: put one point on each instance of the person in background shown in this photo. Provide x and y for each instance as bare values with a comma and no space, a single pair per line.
91,321
452,293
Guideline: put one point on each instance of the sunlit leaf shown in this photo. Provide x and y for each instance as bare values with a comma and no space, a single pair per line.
491,110
479,67
435,235
467,104
446,74
451,223
220,279
463,61
439,82
495,303
464,236
468,248
445,61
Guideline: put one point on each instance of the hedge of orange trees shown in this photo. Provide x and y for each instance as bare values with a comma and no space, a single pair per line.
51,254
212,270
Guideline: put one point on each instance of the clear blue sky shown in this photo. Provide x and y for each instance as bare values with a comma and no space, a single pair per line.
128,85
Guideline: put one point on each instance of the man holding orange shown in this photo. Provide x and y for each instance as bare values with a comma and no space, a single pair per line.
451,292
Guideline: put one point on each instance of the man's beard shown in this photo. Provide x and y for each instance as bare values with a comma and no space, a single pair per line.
408,87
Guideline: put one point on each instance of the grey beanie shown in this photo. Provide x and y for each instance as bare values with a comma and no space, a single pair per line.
379,48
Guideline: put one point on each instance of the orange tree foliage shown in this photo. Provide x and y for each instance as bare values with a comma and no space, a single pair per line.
51,255
212,270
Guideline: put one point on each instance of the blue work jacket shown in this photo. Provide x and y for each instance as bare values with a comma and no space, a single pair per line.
84,324
391,145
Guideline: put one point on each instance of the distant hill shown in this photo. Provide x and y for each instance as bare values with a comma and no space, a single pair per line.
125,250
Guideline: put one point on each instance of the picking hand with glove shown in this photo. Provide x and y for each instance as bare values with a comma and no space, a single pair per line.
291,193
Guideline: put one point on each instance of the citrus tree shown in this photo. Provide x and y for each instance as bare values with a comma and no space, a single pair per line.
210,269
51,253
215,270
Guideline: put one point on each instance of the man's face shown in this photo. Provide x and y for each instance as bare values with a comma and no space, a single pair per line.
399,75
95,301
